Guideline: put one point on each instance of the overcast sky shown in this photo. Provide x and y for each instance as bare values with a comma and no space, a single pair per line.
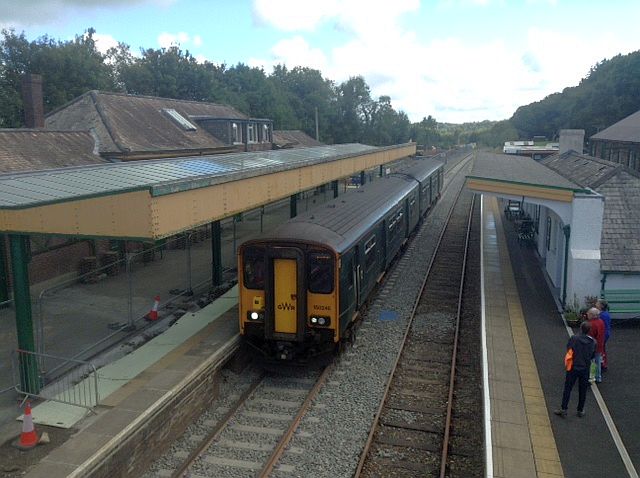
457,60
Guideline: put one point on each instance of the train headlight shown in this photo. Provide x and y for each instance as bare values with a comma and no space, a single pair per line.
255,316
320,321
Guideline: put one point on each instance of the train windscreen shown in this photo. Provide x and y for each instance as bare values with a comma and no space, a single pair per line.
321,269
254,267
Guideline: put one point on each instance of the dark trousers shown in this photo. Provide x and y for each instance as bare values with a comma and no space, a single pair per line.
582,376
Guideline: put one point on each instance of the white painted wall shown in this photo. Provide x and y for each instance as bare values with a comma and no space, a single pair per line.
584,258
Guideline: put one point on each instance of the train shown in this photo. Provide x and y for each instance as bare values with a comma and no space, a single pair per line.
301,286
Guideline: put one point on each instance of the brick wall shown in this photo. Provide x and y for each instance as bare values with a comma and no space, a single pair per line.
137,451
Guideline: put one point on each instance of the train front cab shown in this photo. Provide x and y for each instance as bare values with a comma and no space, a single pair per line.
288,299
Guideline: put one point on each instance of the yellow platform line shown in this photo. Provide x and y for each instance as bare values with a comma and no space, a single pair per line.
547,460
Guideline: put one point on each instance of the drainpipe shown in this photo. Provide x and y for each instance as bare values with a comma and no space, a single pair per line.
603,281
567,235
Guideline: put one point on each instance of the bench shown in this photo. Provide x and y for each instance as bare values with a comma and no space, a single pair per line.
623,301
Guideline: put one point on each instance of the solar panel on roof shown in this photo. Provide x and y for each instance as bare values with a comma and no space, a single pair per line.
163,176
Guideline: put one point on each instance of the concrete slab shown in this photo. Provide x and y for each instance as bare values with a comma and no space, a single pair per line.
112,422
75,452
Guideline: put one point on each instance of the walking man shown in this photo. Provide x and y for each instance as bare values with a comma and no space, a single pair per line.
583,349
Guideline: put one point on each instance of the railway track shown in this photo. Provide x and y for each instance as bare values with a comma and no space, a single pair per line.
342,411
254,432
412,429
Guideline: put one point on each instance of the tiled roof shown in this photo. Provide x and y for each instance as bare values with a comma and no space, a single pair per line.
582,169
627,129
36,149
294,138
620,186
127,123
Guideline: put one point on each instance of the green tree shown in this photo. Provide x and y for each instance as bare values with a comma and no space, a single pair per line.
68,68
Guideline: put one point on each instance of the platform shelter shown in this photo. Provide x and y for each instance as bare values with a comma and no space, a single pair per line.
561,219
160,198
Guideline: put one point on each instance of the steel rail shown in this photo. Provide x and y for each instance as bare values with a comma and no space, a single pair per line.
454,354
217,430
286,438
376,419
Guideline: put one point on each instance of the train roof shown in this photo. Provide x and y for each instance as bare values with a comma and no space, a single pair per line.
420,169
342,221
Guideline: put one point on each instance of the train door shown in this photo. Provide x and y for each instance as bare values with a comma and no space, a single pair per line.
357,274
285,292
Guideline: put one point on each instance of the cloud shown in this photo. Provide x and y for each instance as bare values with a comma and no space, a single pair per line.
180,39
293,51
355,16
19,14
104,42
451,78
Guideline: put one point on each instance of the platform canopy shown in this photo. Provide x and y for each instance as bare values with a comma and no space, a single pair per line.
159,198
509,175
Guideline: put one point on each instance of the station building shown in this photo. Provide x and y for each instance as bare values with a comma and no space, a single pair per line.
581,213
620,142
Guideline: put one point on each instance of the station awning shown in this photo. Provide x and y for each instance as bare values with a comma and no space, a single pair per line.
510,175
159,198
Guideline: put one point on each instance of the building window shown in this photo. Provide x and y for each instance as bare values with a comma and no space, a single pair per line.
265,133
251,133
236,133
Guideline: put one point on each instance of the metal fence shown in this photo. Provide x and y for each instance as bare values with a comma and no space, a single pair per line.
78,385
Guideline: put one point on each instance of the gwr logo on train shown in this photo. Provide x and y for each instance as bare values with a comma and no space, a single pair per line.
286,306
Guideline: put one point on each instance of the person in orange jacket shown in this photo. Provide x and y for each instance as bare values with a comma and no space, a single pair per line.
581,348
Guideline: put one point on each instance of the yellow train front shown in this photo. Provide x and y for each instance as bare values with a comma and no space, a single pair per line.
302,286
288,298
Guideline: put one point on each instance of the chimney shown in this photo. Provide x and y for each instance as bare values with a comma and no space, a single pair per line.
32,101
571,139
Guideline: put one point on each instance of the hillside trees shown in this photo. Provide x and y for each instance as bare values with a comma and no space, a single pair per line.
70,69
346,112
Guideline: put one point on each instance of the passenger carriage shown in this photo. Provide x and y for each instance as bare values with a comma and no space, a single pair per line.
302,286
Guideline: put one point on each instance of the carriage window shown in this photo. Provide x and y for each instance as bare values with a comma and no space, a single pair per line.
320,278
369,252
254,267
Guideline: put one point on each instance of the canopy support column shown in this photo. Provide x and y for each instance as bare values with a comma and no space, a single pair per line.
24,322
216,253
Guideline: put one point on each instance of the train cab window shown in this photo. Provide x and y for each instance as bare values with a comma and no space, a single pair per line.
254,267
320,266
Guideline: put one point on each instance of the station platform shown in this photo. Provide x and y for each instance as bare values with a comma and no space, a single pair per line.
139,386
525,338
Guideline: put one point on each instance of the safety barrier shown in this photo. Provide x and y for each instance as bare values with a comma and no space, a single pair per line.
76,382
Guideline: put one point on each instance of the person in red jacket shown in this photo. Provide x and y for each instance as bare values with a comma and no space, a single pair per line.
597,332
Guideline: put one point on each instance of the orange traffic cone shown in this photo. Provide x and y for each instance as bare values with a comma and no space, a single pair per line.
153,313
28,437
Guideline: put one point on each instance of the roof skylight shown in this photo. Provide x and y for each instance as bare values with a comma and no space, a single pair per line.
181,121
